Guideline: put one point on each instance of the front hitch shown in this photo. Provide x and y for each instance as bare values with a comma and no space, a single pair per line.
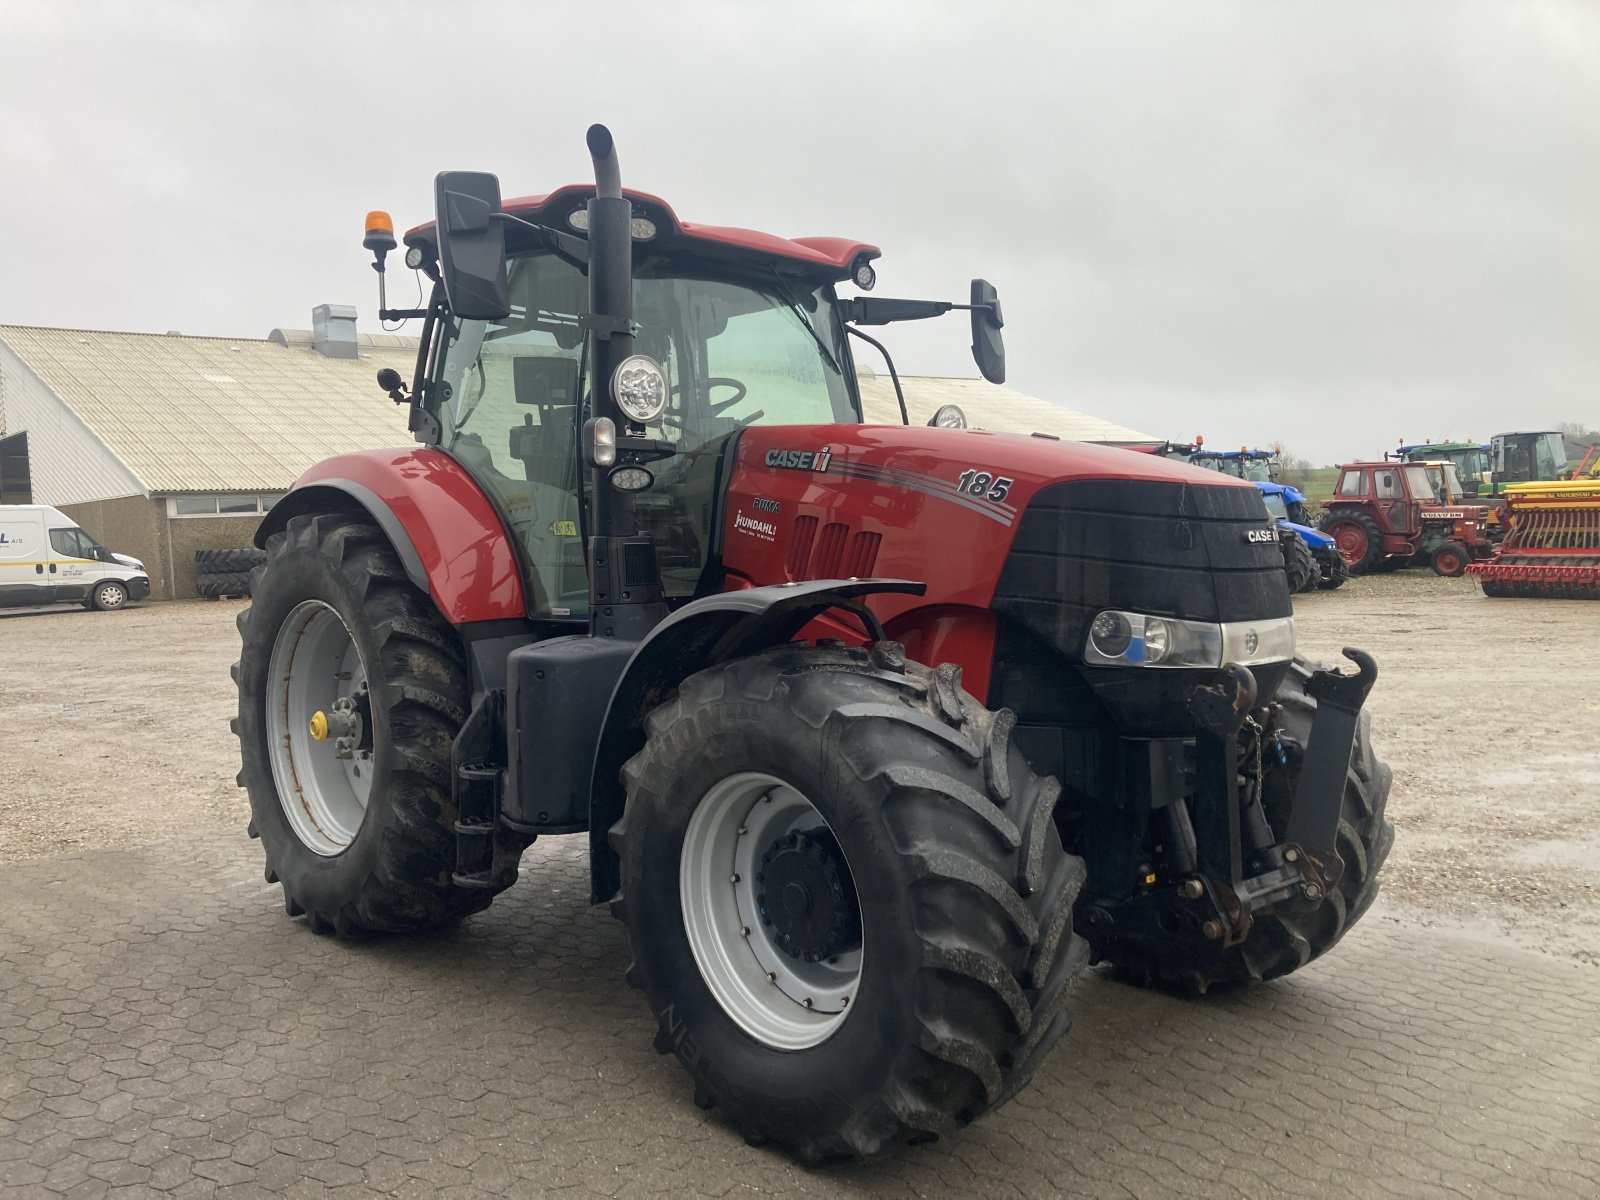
1305,865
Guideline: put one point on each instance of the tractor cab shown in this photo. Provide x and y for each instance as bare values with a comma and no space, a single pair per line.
1527,458
1253,466
1470,459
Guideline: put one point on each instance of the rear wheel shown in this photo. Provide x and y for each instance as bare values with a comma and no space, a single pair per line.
849,906
1286,940
1450,560
1359,537
351,691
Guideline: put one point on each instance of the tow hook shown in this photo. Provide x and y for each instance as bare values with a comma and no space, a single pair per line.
342,722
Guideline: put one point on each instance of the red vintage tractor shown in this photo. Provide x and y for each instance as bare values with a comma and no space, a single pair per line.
876,733
1386,515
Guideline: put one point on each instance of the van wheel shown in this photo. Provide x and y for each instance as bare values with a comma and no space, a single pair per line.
108,595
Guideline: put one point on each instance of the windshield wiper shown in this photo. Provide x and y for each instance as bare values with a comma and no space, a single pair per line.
800,314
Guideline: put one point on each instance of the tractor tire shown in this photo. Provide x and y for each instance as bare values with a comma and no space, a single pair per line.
1361,540
1281,942
911,833
334,615
1300,565
1450,560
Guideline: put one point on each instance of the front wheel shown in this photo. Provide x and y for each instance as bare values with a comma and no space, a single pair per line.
107,596
849,906
1450,560
1300,565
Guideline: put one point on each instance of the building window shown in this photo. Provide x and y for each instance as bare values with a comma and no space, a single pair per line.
225,505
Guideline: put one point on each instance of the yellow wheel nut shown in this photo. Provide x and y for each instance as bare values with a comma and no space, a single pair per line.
319,726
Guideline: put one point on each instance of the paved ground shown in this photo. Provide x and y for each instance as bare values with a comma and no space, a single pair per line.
165,1026
164,1029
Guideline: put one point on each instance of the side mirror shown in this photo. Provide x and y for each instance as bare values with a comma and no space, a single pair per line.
472,244
988,348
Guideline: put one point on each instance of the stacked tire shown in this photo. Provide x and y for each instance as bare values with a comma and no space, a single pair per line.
226,571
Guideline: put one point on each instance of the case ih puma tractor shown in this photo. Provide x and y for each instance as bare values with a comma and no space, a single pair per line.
876,733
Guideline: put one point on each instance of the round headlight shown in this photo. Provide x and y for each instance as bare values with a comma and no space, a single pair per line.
865,277
1157,639
1111,634
414,257
639,387
949,416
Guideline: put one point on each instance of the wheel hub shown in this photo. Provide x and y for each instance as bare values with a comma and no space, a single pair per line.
804,892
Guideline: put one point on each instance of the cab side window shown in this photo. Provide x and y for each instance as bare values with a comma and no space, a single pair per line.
1388,486
1353,484
71,543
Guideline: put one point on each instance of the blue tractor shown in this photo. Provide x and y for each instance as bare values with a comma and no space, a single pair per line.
1311,558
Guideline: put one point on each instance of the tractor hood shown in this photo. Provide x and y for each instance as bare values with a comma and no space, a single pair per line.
940,505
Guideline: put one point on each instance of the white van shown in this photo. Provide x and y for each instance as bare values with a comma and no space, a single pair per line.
45,558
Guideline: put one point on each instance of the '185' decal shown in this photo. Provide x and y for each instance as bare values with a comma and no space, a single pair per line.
984,485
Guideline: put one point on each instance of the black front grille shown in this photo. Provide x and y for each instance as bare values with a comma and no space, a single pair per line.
1169,549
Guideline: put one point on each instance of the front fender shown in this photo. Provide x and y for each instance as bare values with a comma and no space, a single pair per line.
701,634
445,530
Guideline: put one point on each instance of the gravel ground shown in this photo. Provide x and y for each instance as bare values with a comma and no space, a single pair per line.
1482,708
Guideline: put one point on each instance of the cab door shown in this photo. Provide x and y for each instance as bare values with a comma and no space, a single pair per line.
1401,514
74,567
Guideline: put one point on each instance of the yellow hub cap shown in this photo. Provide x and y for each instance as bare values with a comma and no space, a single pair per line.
319,726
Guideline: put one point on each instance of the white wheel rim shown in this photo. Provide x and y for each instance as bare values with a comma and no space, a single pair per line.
314,663
782,1001
111,596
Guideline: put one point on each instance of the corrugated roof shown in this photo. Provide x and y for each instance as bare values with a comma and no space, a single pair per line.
203,414
987,407
200,414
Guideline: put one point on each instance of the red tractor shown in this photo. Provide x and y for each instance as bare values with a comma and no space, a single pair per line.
1386,515
877,734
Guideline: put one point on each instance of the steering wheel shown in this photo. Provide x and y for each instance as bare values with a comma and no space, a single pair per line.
716,381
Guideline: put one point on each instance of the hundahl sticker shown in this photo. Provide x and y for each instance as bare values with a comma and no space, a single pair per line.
765,530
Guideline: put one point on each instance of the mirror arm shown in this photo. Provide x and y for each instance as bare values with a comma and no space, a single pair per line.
875,310
572,250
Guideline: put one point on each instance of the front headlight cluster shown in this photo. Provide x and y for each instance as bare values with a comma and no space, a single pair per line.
1125,639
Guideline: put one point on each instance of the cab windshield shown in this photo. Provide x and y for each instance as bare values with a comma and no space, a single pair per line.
739,349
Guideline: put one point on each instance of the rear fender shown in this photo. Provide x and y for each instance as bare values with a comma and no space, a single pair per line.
443,527
701,634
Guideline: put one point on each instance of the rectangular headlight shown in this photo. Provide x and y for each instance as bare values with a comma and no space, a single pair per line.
1125,639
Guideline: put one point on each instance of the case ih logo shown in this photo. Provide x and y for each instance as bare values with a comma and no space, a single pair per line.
800,460
1260,535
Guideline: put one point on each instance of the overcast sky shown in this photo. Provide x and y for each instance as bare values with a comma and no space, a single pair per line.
1329,224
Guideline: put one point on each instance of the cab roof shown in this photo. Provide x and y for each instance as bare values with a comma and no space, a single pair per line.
833,257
